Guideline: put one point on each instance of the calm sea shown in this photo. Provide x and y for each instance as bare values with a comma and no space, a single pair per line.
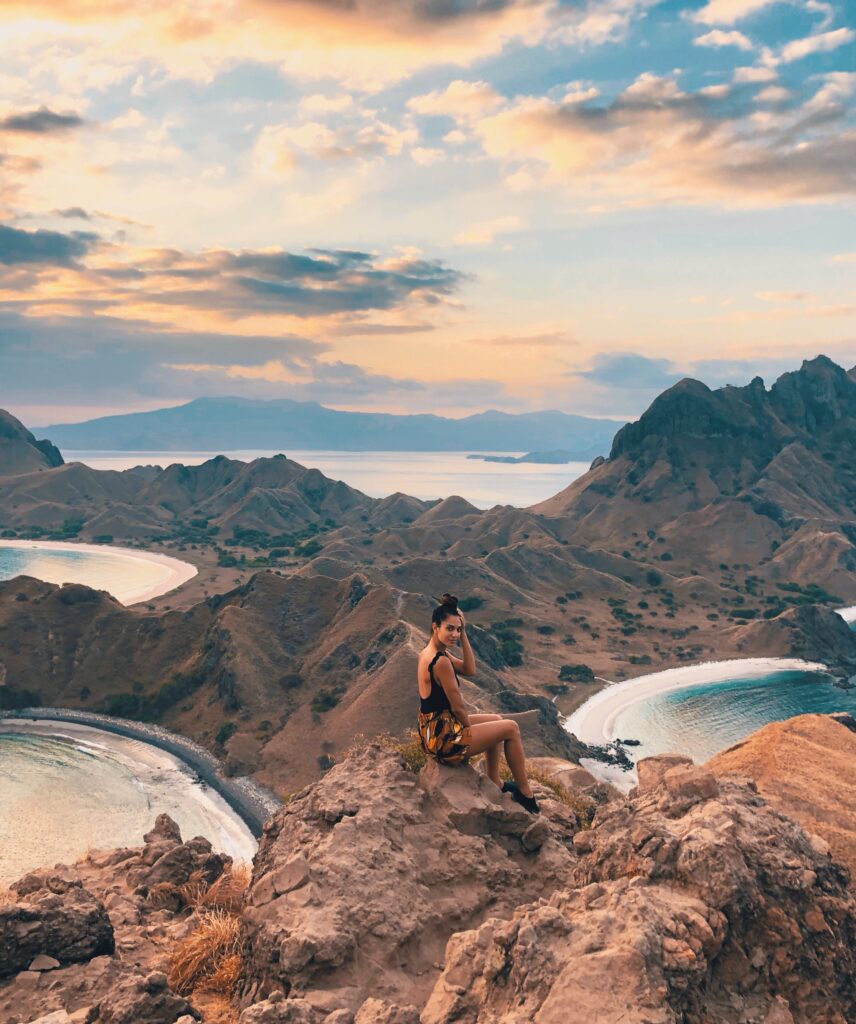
122,575
63,795
425,475
702,720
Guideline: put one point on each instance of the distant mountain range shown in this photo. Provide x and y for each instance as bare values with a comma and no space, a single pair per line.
230,424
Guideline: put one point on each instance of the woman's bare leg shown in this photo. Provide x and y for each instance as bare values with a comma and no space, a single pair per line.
487,735
491,755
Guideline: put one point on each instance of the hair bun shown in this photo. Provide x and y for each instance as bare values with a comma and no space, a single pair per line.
449,600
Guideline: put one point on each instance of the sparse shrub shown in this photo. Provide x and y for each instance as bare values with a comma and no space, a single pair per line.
576,674
653,578
470,604
226,731
324,700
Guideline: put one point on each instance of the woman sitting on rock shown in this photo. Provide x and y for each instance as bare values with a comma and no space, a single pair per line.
448,732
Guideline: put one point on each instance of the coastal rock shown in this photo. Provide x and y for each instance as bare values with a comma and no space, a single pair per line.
702,912
278,1010
360,880
69,927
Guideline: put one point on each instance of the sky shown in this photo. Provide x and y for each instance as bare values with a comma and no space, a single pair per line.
421,205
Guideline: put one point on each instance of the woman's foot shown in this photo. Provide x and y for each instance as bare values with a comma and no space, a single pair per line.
528,802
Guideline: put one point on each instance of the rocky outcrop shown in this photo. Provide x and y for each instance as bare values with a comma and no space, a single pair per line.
360,880
804,768
142,999
69,926
692,902
90,941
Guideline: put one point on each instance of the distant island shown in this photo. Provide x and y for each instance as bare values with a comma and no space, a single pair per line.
553,458
233,424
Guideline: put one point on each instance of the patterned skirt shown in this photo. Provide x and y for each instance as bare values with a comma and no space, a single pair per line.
443,737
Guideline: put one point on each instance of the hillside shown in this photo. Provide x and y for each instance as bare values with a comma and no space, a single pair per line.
804,767
20,452
227,424
278,676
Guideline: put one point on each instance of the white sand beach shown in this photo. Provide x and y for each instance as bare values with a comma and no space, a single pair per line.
130,575
85,788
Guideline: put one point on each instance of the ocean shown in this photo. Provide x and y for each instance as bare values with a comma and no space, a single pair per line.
66,789
702,720
128,575
425,475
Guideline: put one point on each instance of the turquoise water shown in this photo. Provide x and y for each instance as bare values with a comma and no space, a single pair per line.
702,720
121,575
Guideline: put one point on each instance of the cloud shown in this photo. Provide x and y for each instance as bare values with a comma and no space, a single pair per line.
92,361
280,148
726,12
460,100
485,232
41,122
824,42
171,288
773,94
50,248
631,371
365,43
751,75
655,143
781,296
717,39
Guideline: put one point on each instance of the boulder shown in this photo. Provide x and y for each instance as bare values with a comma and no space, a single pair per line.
70,927
691,903
142,999
377,1011
360,880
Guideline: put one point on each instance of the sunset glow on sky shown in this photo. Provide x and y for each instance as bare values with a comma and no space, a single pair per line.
421,205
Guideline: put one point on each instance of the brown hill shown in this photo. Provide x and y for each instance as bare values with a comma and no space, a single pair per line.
806,768
277,676
20,452
733,475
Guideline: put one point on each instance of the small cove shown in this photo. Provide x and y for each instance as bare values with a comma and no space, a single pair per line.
129,575
66,788
699,710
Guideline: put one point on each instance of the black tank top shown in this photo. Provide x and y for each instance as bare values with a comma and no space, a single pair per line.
437,699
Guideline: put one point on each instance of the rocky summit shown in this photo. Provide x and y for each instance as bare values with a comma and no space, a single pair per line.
382,894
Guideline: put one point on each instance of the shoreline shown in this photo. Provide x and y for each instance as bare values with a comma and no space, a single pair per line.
593,722
177,572
253,804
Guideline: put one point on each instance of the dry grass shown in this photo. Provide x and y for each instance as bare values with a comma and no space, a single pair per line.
410,749
208,956
582,806
226,893
215,1008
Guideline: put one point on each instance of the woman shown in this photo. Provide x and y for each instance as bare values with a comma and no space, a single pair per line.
448,732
